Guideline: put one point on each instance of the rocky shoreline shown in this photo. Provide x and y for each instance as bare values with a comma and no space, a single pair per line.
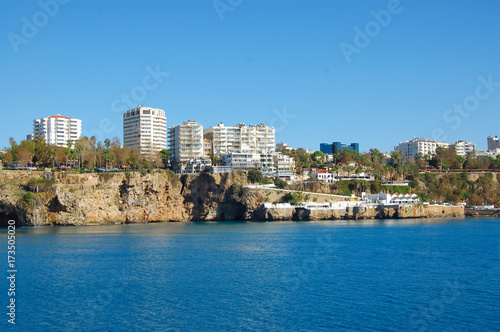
118,198
482,213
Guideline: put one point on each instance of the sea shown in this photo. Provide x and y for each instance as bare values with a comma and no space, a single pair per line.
376,275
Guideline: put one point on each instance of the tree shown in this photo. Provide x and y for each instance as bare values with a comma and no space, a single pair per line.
108,158
165,154
42,152
107,143
280,183
318,156
7,157
255,176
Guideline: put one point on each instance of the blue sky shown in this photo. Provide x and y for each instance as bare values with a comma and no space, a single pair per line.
282,63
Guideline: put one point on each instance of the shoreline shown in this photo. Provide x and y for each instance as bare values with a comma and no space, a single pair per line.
333,221
134,198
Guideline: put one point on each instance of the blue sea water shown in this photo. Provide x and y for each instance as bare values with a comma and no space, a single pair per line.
384,275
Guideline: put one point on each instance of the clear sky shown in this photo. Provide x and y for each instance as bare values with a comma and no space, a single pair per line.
319,71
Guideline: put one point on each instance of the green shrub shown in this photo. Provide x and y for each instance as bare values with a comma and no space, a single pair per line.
375,187
28,196
40,185
280,183
294,198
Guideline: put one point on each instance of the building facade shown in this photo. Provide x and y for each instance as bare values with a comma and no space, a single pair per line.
285,165
145,129
419,146
185,142
463,148
283,146
57,130
248,161
337,147
322,175
493,143
253,139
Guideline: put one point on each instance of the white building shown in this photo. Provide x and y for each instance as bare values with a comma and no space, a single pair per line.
493,143
323,176
490,153
57,130
422,146
285,165
185,142
388,199
253,139
247,161
283,146
145,129
462,148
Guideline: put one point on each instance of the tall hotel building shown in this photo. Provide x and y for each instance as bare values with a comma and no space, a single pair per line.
251,139
493,143
57,130
145,129
185,142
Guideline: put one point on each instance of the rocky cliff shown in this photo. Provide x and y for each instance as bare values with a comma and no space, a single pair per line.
38,198
417,211
77,199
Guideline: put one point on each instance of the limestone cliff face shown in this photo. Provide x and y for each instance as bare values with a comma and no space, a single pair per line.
218,197
417,211
118,198
88,199
83,199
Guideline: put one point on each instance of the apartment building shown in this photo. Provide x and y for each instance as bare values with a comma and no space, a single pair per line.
145,129
57,130
253,139
493,143
248,161
207,148
463,148
422,146
285,165
185,142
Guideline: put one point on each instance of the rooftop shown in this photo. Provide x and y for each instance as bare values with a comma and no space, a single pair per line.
59,116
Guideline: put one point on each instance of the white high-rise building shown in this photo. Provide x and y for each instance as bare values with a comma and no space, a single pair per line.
422,146
253,139
463,148
185,142
493,143
145,129
57,130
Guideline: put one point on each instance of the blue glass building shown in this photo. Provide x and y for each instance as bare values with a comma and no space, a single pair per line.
327,148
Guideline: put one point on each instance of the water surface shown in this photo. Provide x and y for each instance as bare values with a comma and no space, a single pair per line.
389,275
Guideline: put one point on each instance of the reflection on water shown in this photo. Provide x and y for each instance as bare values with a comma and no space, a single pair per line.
165,228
